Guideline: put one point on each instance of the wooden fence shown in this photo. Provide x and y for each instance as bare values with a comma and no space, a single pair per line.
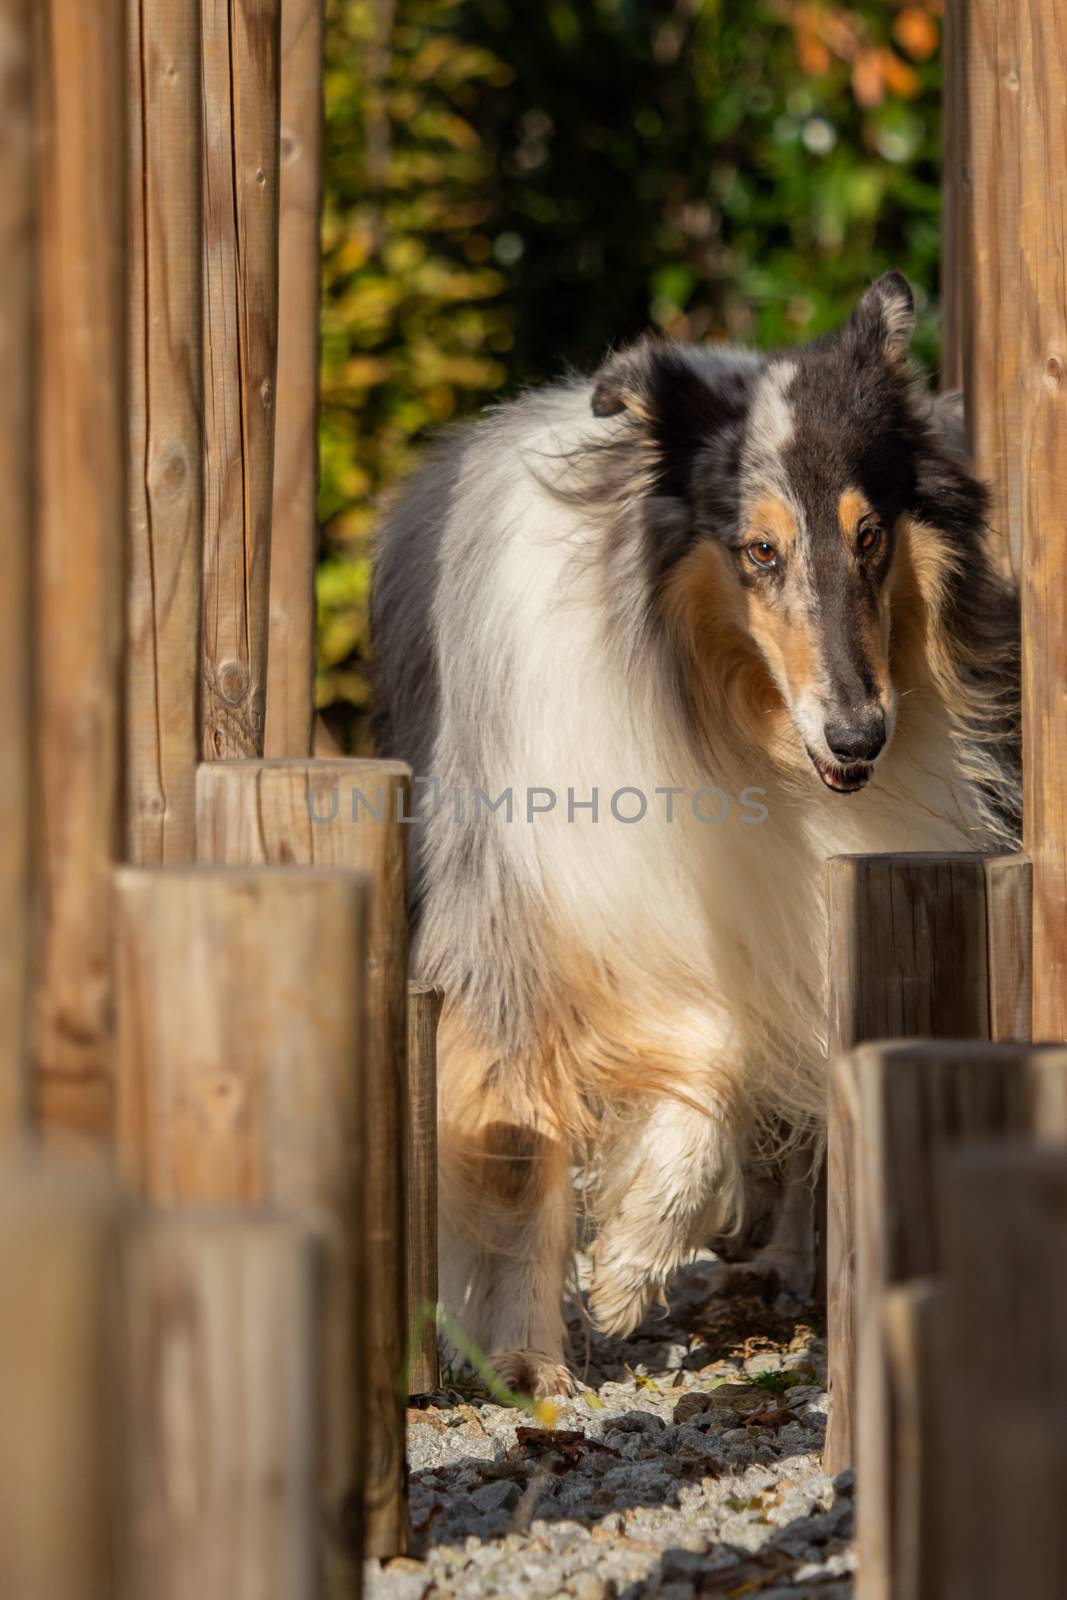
204,1025
216,1094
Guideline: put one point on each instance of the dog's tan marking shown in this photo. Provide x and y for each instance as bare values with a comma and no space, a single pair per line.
852,507
771,519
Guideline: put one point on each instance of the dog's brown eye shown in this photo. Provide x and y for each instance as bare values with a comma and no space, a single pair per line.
869,538
762,554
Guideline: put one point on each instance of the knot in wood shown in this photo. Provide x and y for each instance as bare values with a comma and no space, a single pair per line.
168,473
1054,372
232,682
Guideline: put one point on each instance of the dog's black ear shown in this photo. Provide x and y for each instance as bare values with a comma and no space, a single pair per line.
884,320
679,400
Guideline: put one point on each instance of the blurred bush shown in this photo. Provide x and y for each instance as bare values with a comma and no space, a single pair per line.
511,188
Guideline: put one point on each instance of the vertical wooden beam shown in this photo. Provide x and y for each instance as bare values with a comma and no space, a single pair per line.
219,1402
81,501
980,276
166,404
914,1318
16,543
294,537
1009,919
908,957
240,1029
241,42
58,1238
424,1010
1002,1444
345,813
911,1103
1043,321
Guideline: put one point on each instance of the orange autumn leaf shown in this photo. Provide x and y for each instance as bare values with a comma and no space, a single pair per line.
899,78
916,32
868,83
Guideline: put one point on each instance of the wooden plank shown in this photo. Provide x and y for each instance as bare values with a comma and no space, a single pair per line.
914,1316
1043,355
980,275
1009,918
295,533
240,1082
81,452
908,957
424,1010
344,813
912,1102
58,1236
166,406
241,43
220,1350
1002,1444
16,541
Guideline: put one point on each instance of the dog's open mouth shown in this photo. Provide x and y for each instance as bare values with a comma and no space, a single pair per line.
842,780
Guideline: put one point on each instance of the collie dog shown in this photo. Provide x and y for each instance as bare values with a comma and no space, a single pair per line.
657,644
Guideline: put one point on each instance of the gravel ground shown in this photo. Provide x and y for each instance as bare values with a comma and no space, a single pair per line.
687,1466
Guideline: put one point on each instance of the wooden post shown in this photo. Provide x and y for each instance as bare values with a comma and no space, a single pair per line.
166,404
81,455
908,957
910,1102
58,1233
980,276
1043,322
345,813
1002,1444
220,1349
914,1316
16,542
240,1018
424,1009
1009,916
241,41
294,538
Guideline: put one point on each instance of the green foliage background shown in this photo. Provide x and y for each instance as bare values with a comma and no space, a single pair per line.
511,188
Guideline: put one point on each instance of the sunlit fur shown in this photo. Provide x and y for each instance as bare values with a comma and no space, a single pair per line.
559,604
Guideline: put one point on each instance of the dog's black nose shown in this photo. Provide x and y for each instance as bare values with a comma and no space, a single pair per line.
856,741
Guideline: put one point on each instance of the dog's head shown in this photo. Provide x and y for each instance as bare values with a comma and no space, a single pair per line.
779,493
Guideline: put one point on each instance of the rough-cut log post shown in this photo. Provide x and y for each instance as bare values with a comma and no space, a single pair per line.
16,542
1001,1441
220,1349
980,277
910,1103
914,1316
1043,321
424,1009
241,41
345,813
166,403
239,1068
81,453
908,958
294,535
58,1236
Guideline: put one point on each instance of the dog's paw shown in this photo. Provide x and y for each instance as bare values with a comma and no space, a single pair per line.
532,1372
621,1292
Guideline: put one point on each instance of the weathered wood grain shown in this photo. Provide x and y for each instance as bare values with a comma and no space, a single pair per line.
240,1082
81,453
1002,1446
424,1009
1043,359
219,1355
914,1318
911,1102
294,535
58,1241
17,204
166,404
980,273
345,813
241,42
1009,937
908,957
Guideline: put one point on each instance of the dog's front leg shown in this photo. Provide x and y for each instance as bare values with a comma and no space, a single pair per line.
670,1184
